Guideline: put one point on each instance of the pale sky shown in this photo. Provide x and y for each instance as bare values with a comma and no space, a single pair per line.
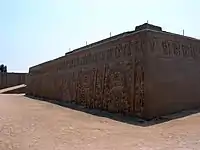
35,31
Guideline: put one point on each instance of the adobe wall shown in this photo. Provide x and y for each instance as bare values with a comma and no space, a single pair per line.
147,74
109,76
11,79
172,74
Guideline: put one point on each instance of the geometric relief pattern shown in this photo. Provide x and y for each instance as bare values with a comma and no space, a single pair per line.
114,85
118,90
65,95
139,87
139,78
71,86
85,87
109,87
97,101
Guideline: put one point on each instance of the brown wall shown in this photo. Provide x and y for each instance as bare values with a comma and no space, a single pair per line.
99,77
11,79
172,74
146,73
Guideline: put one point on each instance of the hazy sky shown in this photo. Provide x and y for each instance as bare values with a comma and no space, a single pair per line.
34,31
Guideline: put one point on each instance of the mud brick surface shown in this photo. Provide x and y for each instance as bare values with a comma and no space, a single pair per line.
146,74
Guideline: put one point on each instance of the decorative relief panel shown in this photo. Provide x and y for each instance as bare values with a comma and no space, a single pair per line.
174,48
97,100
118,87
139,87
85,87
102,79
139,80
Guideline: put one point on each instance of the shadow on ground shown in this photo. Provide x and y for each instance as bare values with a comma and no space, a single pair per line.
120,117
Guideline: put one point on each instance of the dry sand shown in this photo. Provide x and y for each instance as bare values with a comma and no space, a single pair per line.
27,124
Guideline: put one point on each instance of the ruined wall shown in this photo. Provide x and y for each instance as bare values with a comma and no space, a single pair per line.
109,76
146,73
11,79
172,73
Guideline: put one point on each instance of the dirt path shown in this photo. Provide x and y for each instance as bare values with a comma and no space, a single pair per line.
27,124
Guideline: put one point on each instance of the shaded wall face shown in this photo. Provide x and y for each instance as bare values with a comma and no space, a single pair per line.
172,74
11,79
101,77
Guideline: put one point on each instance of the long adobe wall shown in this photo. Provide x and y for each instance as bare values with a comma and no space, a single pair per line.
109,76
172,74
12,79
146,74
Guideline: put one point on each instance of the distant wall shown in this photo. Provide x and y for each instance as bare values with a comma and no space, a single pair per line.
12,79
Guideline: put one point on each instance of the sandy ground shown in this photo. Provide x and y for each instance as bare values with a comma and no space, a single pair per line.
27,124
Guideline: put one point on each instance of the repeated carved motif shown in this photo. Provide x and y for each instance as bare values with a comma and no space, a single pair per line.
139,87
85,87
49,86
166,48
108,85
126,49
68,87
129,84
66,96
139,78
72,86
114,52
44,85
97,102
59,85
111,79
176,48
117,90
179,49
152,44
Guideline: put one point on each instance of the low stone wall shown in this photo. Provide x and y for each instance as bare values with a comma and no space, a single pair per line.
12,79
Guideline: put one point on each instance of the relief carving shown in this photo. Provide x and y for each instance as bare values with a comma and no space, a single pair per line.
125,48
65,91
137,46
139,87
89,58
117,51
116,90
113,52
179,49
176,48
116,85
139,81
166,48
85,87
101,55
109,53
152,44
185,50
98,89
107,86
68,88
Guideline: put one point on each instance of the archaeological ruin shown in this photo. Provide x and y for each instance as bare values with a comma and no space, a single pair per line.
146,73
9,79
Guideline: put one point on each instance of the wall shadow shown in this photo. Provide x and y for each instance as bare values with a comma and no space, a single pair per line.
120,117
